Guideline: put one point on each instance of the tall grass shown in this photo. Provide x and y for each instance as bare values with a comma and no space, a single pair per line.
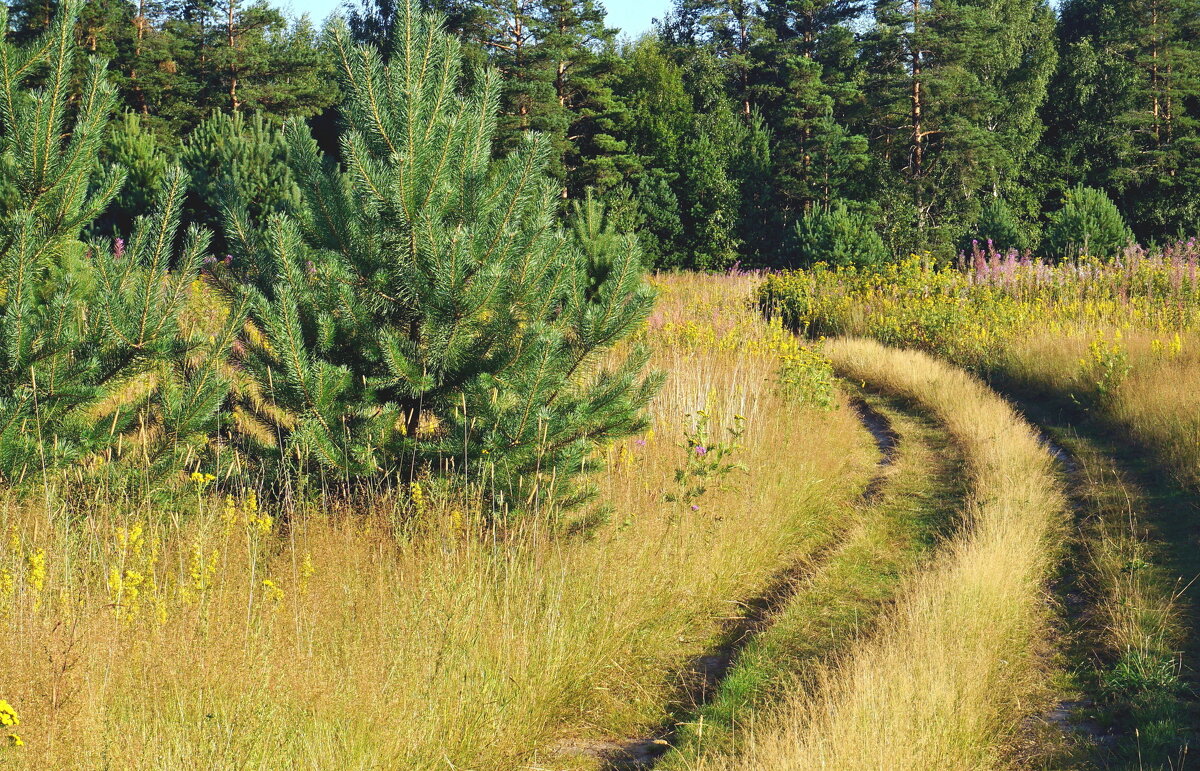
407,632
952,672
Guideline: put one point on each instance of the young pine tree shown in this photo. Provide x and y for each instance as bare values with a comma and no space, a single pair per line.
1087,224
93,352
242,156
424,311
837,237
997,225
130,144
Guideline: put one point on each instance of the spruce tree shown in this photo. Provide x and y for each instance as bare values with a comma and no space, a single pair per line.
424,310
660,119
93,350
708,189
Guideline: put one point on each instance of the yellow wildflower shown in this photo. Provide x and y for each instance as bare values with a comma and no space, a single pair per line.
37,569
418,497
229,514
273,592
15,741
8,715
202,480
306,571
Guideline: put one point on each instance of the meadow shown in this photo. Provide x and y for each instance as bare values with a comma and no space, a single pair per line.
372,437
408,633
880,605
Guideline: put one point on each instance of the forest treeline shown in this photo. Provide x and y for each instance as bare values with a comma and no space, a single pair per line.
765,132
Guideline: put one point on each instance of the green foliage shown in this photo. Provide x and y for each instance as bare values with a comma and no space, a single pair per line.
132,146
242,158
1088,223
422,310
91,338
998,226
1125,111
957,89
806,377
837,237
708,461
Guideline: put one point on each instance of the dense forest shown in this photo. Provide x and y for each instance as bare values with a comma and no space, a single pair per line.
765,132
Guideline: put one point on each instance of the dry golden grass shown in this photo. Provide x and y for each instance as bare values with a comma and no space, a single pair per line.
221,639
949,676
1155,398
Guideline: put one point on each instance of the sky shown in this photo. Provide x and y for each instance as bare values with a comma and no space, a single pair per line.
632,17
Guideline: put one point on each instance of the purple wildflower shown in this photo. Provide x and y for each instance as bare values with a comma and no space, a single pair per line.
701,449
119,248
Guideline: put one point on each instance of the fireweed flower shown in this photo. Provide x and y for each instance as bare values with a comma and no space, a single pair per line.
701,449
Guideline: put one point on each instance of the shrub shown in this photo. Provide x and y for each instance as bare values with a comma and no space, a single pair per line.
1087,224
837,237
93,353
423,310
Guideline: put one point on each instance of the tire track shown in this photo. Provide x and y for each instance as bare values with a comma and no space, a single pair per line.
704,674
1097,726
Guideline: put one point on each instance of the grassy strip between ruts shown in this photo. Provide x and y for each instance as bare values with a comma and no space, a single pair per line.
952,672
893,534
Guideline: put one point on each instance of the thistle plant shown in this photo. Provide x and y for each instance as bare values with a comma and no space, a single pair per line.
424,311
92,353
708,460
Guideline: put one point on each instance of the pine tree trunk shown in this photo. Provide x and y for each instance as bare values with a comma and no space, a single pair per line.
234,104
918,138
140,32
1154,81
